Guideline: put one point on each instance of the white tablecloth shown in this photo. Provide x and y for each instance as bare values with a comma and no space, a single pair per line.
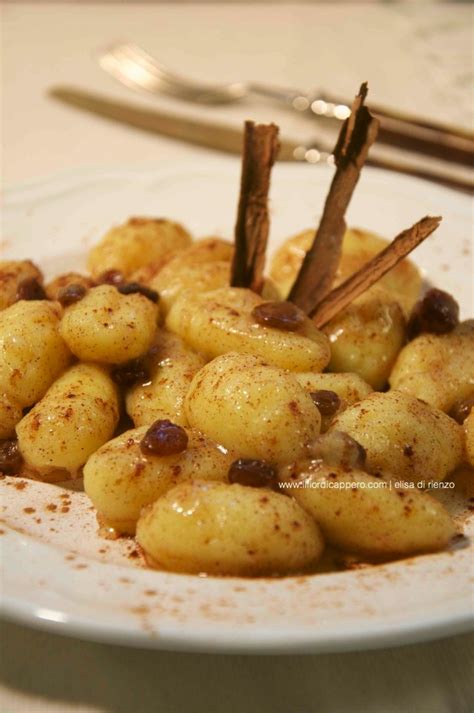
415,57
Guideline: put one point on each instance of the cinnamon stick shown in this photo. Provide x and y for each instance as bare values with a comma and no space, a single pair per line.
373,270
251,229
320,265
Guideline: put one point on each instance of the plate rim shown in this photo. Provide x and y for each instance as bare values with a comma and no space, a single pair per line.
430,629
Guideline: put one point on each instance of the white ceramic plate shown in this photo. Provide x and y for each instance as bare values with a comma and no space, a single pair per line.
58,574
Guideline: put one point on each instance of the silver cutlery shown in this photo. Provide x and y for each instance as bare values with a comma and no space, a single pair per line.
225,138
135,68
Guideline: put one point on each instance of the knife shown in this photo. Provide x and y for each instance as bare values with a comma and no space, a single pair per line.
228,139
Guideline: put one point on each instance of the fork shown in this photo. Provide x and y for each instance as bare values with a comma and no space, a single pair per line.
138,70
134,67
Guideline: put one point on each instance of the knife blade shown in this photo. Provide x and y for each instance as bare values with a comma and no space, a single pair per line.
220,137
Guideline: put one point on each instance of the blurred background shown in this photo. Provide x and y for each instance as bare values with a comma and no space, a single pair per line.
417,57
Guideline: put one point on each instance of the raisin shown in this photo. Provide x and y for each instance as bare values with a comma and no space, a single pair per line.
131,372
71,294
10,457
164,438
462,408
281,315
254,473
30,289
131,288
328,402
437,313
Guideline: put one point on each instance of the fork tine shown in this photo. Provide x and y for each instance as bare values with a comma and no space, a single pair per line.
136,76
132,54
137,69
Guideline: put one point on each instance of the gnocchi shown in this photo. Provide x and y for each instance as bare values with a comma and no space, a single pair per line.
201,251
120,480
10,414
76,416
220,321
349,387
137,242
469,435
359,246
366,337
403,435
358,512
172,367
206,250
12,273
332,393
178,277
437,368
32,351
62,282
109,327
260,410
228,530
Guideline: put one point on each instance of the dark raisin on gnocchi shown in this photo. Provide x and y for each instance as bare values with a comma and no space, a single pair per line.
252,472
164,438
280,315
131,288
71,294
10,457
30,289
437,312
462,408
132,372
327,402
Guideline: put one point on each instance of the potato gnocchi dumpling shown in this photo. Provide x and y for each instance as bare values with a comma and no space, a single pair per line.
206,250
228,530
12,273
77,415
171,366
10,414
109,327
403,282
146,273
332,393
403,436
367,336
120,480
211,249
177,277
349,387
137,242
469,435
32,351
359,246
259,410
437,368
360,513
220,321
61,282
